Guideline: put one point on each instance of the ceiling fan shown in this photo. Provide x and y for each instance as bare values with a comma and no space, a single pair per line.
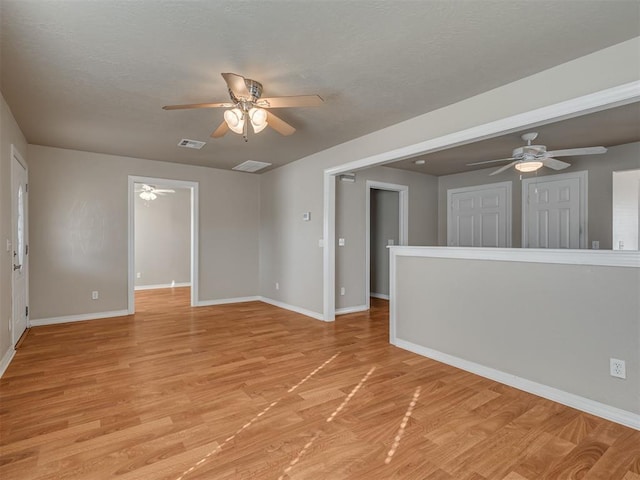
248,106
149,192
530,158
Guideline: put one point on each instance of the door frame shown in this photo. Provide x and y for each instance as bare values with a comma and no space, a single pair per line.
17,157
583,215
478,188
194,260
403,225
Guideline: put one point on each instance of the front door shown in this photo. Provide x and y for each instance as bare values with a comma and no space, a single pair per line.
554,211
19,246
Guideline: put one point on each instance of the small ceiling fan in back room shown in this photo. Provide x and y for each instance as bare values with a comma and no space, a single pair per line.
247,106
530,158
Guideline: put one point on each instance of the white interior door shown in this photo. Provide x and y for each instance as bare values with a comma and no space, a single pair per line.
479,216
19,246
553,213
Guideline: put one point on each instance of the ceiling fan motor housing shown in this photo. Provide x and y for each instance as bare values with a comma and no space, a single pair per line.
529,151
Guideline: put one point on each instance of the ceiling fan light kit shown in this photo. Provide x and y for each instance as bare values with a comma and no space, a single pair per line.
248,106
530,158
528,166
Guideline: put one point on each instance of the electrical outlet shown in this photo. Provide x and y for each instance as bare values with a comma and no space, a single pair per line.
94,295
595,245
277,286
342,290
138,275
617,368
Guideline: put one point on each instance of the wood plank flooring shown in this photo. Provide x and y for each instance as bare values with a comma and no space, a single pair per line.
250,391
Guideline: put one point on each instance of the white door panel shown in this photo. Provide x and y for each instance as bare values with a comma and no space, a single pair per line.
479,216
20,264
554,211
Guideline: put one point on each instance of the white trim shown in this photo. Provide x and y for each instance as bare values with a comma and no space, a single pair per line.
479,188
583,179
193,186
225,301
329,251
347,310
403,226
78,318
6,360
381,296
605,258
162,285
593,102
293,308
617,415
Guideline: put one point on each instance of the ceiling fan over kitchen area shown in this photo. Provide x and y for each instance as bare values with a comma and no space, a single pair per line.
530,158
247,106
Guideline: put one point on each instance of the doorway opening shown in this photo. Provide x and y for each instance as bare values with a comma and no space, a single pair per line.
163,233
386,224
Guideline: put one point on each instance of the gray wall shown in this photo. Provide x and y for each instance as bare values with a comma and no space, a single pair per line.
600,191
351,225
289,248
9,134
163,238
384,227
557,325
79,229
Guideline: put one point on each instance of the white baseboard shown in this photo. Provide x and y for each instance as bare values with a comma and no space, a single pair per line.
223,301
379,295
77,318
6,360
293,308
162,285
593,407
356,309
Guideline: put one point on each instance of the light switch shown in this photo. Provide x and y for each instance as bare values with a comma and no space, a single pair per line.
306,216
341,242
321,243
8,245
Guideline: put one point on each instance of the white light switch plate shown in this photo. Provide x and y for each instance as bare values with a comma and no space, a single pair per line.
341,242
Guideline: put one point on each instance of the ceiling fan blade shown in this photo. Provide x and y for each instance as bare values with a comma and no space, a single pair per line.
291,101
555,164
164,190
199,105
490,161
222,129
577,151
506,167
237,85
279,125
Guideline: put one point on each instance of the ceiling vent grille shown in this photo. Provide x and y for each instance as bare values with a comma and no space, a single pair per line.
185,142
251,166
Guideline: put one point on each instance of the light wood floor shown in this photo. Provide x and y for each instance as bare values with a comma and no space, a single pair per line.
245,391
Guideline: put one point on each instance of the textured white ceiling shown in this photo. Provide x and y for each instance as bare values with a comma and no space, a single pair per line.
93,75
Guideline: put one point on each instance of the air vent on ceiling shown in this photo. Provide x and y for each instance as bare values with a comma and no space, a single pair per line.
251,166
185,142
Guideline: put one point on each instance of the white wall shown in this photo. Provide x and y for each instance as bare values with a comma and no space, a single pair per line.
289,249
626,209
10,133
79,229
163,238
